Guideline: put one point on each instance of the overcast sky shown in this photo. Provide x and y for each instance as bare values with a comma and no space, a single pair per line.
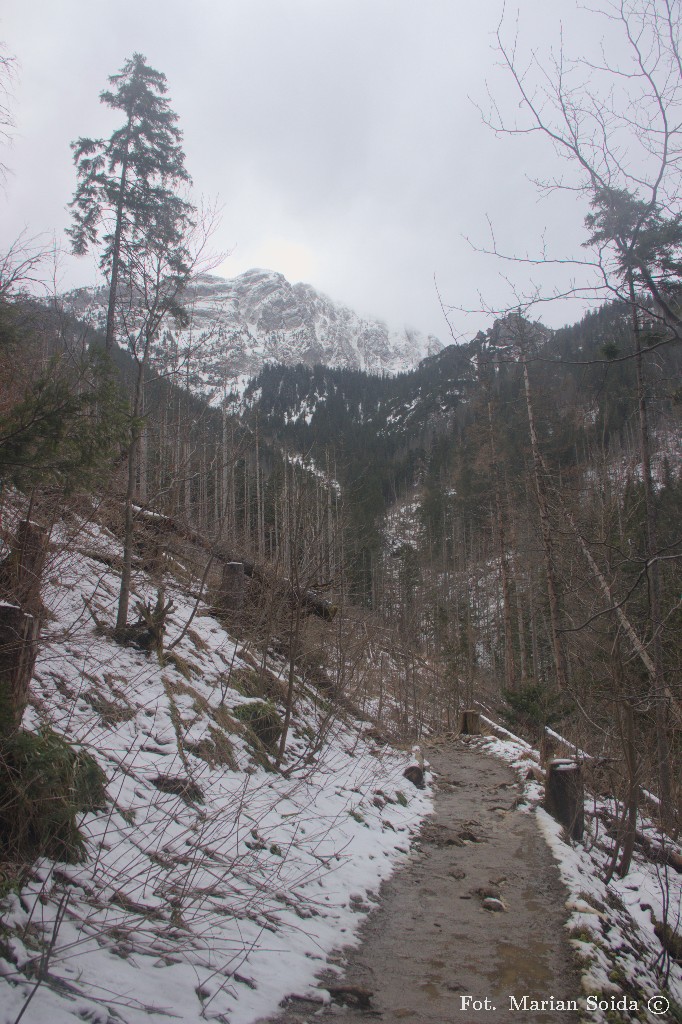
339,135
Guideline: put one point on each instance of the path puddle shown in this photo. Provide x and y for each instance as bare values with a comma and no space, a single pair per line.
430,989
522,968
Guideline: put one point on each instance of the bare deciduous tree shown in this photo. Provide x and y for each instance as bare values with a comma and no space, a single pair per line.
613,122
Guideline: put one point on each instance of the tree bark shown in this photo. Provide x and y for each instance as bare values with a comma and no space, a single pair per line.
632,799
509,667
128,526
116,255
20,620
653,572
22,571
294,637
543,509
19,632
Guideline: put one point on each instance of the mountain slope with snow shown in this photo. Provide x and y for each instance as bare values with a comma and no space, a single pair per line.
212,884
240,324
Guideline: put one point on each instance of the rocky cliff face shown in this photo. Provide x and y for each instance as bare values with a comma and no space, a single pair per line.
259,317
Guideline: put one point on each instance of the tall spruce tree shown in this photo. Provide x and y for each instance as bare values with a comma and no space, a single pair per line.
127,201
127,188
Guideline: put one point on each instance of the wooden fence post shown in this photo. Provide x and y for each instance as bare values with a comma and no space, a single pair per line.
565,795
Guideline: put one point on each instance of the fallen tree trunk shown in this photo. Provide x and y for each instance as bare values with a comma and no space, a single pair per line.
654,852
307,599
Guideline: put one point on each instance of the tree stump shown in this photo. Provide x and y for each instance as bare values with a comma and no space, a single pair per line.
18,650
565,795
21,572
20,620
470,723
232,586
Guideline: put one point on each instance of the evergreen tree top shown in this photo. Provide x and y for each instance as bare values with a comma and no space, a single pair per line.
139,166
127,197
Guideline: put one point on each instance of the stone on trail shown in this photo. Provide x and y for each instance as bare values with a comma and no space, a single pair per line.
415,775
351,995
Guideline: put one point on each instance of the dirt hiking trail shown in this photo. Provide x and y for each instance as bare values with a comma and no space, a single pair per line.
477,912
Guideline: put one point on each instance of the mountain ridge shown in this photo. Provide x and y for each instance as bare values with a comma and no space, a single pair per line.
238,325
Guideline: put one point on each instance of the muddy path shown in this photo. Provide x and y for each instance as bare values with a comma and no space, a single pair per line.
477,914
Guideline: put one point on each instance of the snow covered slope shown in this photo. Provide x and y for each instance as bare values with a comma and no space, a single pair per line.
212,886
242,323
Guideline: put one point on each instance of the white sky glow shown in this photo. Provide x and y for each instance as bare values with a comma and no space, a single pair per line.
341,138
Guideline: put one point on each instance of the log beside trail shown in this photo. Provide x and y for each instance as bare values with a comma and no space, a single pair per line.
307,599
565,795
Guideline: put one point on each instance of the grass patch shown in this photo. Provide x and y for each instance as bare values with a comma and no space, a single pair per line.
197,640
184,667
225,719
262,718
200,705
263,685
110,711
177,785
216,749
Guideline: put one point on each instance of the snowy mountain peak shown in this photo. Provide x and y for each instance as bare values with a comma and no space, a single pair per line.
260,317
238,325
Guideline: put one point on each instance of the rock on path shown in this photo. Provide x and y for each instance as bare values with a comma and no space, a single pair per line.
477,914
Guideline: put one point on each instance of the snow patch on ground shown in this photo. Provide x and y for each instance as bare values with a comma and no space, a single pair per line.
211,904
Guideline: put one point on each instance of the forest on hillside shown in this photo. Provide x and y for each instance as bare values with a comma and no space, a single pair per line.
501,524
